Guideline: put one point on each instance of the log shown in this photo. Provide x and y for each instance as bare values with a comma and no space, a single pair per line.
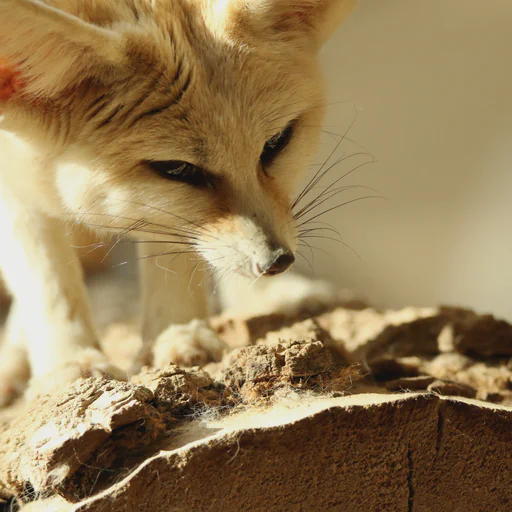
418,452
346,410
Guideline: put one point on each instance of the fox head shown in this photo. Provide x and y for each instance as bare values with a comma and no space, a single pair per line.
182,121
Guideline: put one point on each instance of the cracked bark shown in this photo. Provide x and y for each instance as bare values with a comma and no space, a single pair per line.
410,477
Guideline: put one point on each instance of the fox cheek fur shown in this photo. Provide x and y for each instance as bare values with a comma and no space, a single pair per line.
185,123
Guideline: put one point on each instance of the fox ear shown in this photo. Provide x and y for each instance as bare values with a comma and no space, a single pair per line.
51,50
313,21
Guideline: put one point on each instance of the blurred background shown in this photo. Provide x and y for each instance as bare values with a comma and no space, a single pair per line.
429,85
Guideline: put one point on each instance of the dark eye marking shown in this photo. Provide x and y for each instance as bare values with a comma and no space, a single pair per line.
184,172
275,145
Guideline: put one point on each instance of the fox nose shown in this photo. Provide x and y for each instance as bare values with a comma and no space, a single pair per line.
282,262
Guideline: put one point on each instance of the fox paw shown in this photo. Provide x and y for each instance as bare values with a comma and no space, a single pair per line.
10,389
14,374
192,344
88,363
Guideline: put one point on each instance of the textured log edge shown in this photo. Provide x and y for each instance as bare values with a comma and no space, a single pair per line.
433,452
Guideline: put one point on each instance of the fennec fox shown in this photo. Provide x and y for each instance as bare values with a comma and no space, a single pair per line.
182,123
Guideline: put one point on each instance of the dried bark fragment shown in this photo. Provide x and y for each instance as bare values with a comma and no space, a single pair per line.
180,392
482,336
258,372
307,330
240,332
450,388
65,442
429,383
451,344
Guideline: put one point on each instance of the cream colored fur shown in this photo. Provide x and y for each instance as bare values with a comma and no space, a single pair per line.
74,146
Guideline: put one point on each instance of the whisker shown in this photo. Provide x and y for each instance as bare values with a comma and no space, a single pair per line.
307,261
256,280
321,199
323,251
306,189
324,173
143,222
192,277
148,231
234,270
321,223
309,247
212,274
166,269
148,256
119,236
337,135
167,213
340,205
305,231
158,242
218,281
335,240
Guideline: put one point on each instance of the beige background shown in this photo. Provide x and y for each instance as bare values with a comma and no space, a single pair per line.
432,86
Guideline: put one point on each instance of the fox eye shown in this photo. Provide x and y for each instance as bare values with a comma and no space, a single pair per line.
275,145
184,172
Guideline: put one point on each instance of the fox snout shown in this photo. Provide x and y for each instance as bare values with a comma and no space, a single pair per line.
251,245
280,261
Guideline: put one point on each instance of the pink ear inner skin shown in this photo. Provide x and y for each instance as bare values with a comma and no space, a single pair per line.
10,81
